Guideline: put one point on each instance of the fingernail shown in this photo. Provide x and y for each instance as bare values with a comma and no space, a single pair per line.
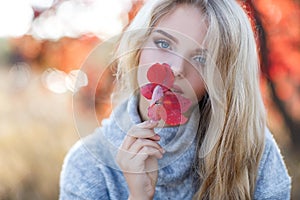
153,121
143,124
146,124
157,136
163,151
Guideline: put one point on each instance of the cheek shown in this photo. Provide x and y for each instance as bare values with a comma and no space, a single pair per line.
142,76
200,91
198,86
145,61
151,56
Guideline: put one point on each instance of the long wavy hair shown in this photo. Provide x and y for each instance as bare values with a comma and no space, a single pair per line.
232,123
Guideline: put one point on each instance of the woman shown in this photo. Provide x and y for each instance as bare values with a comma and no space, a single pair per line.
222,151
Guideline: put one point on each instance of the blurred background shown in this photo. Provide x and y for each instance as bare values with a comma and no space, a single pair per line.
43,46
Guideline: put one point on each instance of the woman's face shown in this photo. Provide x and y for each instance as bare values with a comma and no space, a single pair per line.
176,40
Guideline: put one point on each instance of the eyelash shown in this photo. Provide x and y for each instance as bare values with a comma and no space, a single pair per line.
160,43
200,59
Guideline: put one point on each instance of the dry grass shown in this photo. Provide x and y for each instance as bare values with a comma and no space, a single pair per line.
36,130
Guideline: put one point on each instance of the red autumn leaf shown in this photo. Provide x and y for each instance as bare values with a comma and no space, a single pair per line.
185,103
176,101
157,95
164,104
168,107
175,105
175,118
157,112
147,90
161,74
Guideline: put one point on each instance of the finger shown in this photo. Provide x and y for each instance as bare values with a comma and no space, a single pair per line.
148,124
146,152
140,143
155,137
137,162
127,142
143,130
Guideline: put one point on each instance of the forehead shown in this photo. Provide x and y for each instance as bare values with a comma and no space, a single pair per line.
185,21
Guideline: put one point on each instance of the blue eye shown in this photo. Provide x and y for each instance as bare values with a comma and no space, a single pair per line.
200,59
162,44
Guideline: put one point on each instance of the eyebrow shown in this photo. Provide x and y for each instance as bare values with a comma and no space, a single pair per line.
171,37
201,51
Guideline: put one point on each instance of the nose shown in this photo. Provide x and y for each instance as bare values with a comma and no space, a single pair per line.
177,66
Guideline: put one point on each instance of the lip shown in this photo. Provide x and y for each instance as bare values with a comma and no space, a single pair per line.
176,89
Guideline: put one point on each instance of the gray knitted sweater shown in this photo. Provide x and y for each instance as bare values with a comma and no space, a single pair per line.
90,172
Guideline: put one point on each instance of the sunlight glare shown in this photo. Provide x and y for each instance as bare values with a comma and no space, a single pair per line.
54,80
73,19
75,80
15,18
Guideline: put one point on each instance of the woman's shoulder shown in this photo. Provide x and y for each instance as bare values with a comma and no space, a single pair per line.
94,150
81,150
271,152
83,169
273,181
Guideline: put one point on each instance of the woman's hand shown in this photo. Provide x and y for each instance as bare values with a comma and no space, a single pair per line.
137,158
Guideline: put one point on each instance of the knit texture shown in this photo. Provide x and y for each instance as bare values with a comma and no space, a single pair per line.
90,172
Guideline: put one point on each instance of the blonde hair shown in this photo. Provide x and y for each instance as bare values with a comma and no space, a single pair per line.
232,141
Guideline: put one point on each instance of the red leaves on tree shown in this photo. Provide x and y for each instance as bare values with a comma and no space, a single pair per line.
164,104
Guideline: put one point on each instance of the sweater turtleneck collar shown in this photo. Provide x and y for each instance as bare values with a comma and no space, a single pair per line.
178,141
